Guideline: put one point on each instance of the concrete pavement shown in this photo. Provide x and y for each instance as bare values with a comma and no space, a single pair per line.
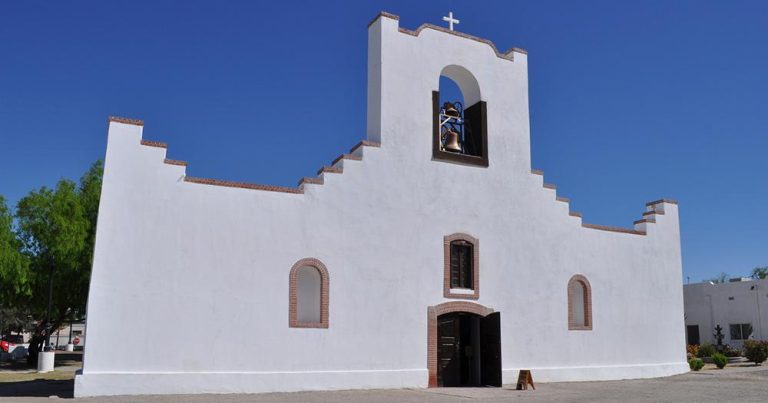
744,384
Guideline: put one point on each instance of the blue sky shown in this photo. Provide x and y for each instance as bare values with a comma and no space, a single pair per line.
630,101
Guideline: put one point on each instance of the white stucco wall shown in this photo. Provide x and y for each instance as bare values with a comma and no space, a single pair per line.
173,256
708,305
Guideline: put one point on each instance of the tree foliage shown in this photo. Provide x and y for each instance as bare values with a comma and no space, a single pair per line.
759,273
53,238
15,286
14,279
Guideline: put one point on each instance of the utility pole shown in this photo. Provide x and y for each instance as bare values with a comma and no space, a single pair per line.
756,289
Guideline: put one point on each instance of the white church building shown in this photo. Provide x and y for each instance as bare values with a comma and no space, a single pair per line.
429,255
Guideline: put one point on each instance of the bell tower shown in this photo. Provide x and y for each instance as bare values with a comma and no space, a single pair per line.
489,129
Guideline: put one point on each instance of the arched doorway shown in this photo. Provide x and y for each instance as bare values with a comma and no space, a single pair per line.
464,346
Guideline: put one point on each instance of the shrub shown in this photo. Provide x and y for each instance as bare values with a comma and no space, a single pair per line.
731,352
696,364
756,350
720,360
706,350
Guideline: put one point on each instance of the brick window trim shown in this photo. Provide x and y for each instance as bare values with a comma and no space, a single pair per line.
447,266
432,313
293,300
587,304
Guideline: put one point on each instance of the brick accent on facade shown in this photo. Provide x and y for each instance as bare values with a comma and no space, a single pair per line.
324,297
432,313
127,121
157,144
613,229
175,162
242,185
670,201
508,55
447,266
587,304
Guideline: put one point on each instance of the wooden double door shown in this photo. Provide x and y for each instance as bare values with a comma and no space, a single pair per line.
468,349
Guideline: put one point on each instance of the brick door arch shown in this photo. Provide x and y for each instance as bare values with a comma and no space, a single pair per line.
432,313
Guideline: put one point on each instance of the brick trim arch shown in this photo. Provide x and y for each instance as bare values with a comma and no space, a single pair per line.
587,304
292,297
432,313
447,266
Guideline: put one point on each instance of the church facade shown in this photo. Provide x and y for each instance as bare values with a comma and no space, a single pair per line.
429,255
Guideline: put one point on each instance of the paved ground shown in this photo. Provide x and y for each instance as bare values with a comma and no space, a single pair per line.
744,383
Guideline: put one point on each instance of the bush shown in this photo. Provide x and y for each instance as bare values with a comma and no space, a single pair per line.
756,350
720,360
706,350
696,364
731,352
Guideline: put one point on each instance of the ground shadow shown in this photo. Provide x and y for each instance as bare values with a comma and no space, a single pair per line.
66,363
38,388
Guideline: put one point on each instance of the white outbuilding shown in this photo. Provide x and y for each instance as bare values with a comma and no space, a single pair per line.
739,307
430,254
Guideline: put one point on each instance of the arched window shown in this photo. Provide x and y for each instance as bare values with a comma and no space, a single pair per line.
461,267
579,303
308,294
459,116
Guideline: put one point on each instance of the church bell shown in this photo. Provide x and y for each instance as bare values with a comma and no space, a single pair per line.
450,110
452,141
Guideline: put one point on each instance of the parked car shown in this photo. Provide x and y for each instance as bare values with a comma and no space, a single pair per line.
6,346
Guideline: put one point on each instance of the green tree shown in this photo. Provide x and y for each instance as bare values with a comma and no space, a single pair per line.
56,228
15,319
14,278
759,273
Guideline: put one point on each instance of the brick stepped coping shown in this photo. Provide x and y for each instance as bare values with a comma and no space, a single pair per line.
613,229
254,186
508,55
153,144
127,121
644,220
350,156
242,185
175,162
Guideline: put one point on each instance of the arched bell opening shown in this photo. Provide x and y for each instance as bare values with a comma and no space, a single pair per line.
459,116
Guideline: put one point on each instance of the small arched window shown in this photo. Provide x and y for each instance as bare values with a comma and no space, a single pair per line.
579,303
308,294
459,119
461,266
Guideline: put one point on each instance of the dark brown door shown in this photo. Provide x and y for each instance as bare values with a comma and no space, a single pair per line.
448,347
490,340
693,335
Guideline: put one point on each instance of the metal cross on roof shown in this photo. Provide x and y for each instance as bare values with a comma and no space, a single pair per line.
450,20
